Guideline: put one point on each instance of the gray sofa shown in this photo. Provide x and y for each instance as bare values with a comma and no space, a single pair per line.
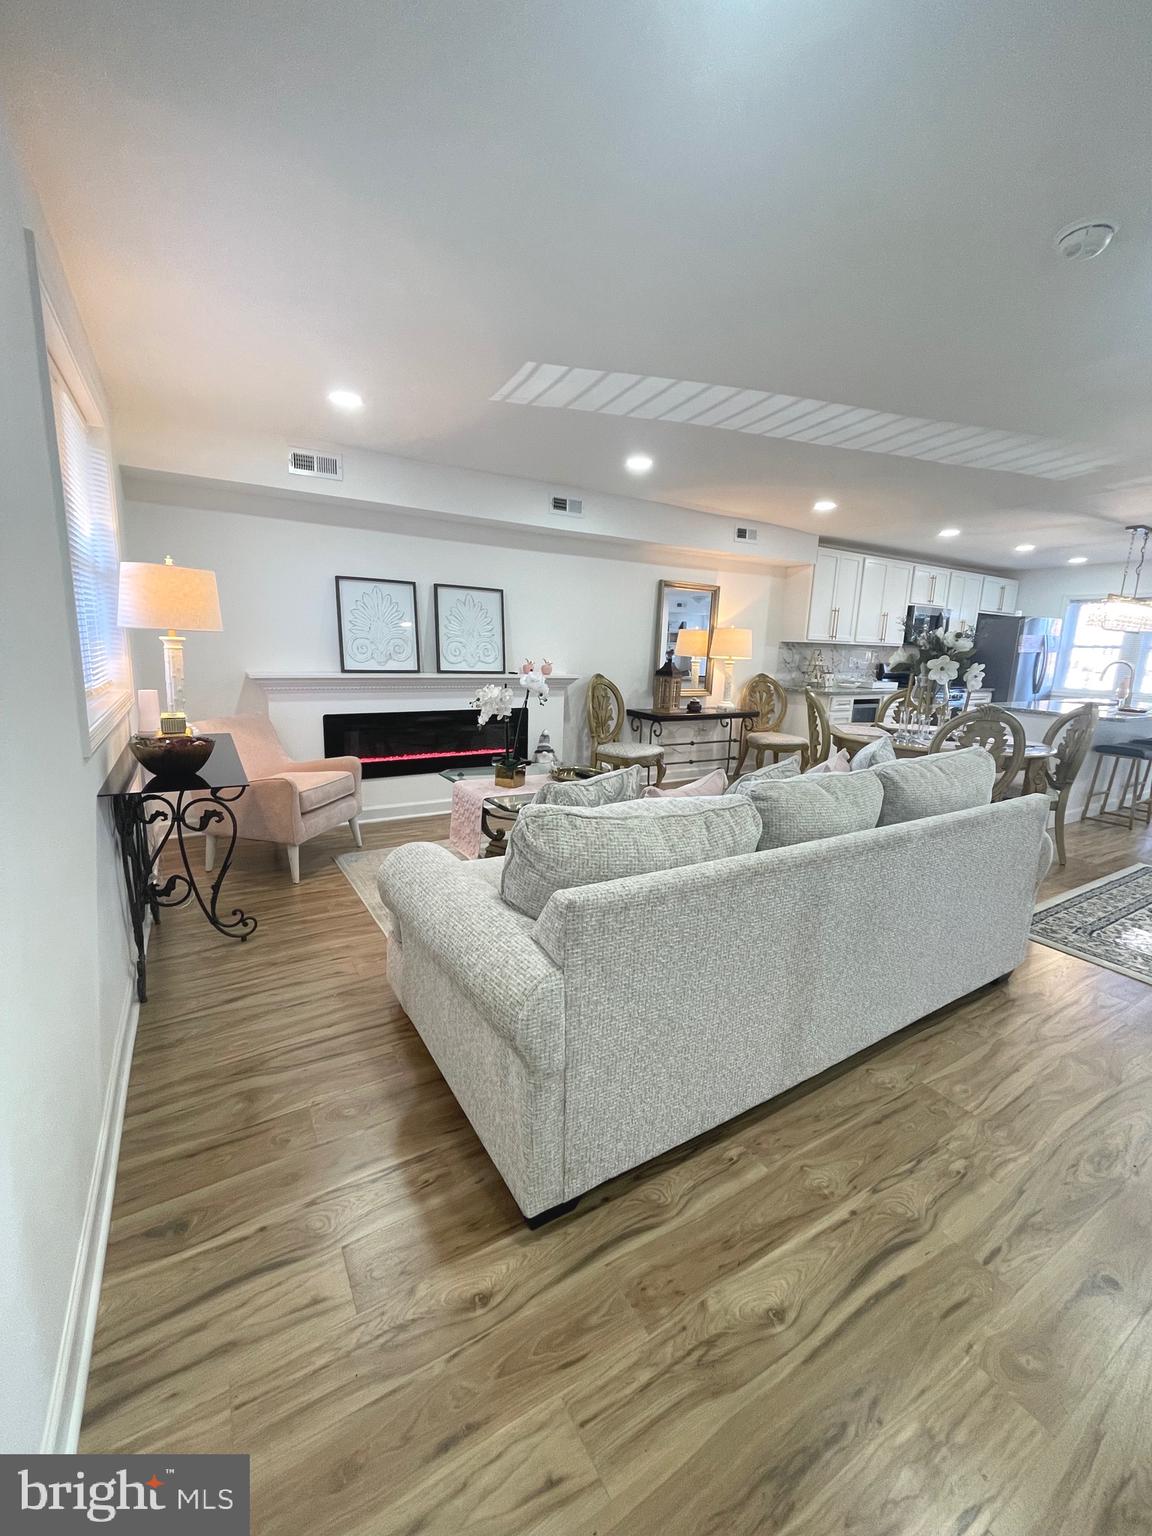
635,1013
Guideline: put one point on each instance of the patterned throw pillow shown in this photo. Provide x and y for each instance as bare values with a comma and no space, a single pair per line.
786,768
876,752
714,783
604,789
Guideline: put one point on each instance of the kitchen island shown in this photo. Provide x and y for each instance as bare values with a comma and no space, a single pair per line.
1036,717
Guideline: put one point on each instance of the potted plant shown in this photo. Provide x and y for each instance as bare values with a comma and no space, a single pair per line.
494,702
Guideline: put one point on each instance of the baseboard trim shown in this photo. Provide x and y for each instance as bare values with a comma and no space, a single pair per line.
407,810
66,1402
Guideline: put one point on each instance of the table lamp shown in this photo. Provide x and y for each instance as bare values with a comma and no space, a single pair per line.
729,645
694,644
168,597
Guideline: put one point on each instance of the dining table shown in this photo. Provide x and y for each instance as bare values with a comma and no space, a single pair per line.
1034,770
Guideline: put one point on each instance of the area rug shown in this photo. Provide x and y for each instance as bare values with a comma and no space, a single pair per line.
1108,922
361,869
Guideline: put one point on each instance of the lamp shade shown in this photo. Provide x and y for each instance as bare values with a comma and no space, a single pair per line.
167,597
691,642
731,644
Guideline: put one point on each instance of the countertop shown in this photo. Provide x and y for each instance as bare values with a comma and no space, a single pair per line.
1108,710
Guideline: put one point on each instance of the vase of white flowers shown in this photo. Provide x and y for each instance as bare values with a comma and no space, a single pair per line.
494,702
933,659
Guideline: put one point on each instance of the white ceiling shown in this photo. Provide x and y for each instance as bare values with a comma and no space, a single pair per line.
840,200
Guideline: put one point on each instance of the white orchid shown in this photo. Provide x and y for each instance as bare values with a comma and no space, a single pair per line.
957,641
907,655
943,669
974,677
494,702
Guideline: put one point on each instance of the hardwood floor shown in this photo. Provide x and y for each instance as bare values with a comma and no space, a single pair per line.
912,1299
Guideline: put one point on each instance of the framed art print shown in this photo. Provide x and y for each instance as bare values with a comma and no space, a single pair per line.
377,623
469,629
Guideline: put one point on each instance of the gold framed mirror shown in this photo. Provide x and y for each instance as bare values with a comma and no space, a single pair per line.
686,605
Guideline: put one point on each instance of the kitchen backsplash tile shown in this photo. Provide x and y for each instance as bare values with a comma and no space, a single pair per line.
846,663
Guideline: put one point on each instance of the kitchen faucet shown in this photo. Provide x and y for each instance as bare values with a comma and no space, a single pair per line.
1123,689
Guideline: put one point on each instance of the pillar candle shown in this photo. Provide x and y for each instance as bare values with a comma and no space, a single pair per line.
148,711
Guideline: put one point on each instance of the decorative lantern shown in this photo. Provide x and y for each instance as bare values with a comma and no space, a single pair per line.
666,686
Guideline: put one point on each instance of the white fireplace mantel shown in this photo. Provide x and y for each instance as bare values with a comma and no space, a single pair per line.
396,684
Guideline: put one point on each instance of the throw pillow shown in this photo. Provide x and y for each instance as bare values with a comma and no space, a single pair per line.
876,752
935,784
605,789
840,762
714,783
787,768
554,847
806,809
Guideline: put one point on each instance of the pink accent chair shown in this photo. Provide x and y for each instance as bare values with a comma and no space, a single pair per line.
286,802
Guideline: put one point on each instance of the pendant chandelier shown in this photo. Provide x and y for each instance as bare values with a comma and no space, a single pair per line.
1129,614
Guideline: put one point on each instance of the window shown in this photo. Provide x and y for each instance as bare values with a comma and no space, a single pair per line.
1086,650
90,517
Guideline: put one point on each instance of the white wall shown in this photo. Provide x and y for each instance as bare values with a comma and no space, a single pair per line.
1045,594
586,611
63,957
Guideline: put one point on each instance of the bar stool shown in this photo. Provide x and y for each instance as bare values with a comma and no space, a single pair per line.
1138,756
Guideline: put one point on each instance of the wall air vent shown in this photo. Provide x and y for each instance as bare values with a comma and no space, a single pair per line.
324,466
746,535
570,506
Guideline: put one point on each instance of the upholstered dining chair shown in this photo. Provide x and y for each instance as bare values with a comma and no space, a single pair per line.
766,696
823,735
893,701
998,732
286,802
605,713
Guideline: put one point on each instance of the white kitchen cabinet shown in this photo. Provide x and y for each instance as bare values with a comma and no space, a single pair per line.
998,595
835,592
882,605
965,592
930,584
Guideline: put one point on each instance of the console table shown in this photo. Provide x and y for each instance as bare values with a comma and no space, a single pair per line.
147,809
726,720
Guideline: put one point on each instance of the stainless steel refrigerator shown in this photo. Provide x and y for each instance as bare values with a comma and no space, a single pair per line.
1019,656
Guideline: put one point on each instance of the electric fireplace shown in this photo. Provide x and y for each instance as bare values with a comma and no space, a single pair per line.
393,742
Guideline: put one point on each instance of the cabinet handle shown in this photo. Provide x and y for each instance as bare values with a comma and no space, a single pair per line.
931,589
883,626
835,621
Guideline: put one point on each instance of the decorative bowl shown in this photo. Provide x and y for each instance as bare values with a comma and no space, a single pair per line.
176,757
564,773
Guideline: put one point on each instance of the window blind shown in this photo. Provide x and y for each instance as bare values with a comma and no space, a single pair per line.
90,514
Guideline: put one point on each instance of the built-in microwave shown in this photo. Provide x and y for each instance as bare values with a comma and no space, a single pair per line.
924,617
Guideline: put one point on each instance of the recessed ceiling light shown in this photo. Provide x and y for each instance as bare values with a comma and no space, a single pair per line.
948,533
824,506
1078,560
1081,242
638,463
345,399
1025,549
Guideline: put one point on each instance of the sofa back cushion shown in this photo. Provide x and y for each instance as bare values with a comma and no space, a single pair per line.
555,847
812,807
605,789
934,785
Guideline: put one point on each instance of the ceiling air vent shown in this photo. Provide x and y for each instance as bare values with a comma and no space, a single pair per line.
325,466
571,506
746,535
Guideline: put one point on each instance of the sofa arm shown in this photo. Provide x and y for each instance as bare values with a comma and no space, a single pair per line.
351,765
269,810
485,947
